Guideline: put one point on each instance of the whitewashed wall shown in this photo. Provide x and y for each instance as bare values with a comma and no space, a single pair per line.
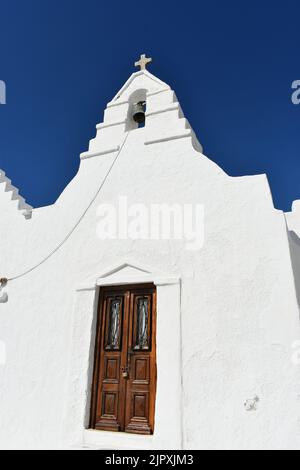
293,225
239,312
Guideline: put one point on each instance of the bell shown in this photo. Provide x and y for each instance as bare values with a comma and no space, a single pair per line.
138,112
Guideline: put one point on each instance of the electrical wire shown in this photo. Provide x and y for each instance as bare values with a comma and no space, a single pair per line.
3,281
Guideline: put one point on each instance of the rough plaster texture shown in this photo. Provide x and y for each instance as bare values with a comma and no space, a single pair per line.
233,315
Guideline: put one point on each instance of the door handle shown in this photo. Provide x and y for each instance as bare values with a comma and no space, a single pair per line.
125,370
125,373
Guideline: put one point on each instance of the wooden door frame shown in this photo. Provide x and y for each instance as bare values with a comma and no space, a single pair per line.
132,288
168,431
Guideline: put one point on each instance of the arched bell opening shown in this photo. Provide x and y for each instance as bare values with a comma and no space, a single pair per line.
136,116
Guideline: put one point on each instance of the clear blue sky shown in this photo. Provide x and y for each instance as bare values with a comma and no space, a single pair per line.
231,64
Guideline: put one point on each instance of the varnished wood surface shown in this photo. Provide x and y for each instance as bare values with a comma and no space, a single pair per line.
125,403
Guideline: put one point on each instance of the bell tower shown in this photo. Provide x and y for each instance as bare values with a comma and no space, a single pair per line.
144,99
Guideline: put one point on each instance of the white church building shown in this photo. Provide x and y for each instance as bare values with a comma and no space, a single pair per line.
155,304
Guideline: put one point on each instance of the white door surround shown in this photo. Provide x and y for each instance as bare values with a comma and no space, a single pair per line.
169,368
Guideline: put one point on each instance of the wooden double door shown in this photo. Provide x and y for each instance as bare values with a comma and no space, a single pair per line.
124,382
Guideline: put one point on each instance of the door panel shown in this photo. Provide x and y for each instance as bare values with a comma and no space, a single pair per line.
107,387
140,370
124,384
141,361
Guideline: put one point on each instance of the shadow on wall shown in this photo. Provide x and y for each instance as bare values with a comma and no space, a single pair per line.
294,241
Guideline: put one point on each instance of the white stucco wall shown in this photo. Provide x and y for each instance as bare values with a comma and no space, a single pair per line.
237,312
293,224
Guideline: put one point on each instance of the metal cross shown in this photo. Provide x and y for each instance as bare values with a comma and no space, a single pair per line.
143,62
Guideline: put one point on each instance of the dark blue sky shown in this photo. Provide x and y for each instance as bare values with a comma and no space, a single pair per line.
231,64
